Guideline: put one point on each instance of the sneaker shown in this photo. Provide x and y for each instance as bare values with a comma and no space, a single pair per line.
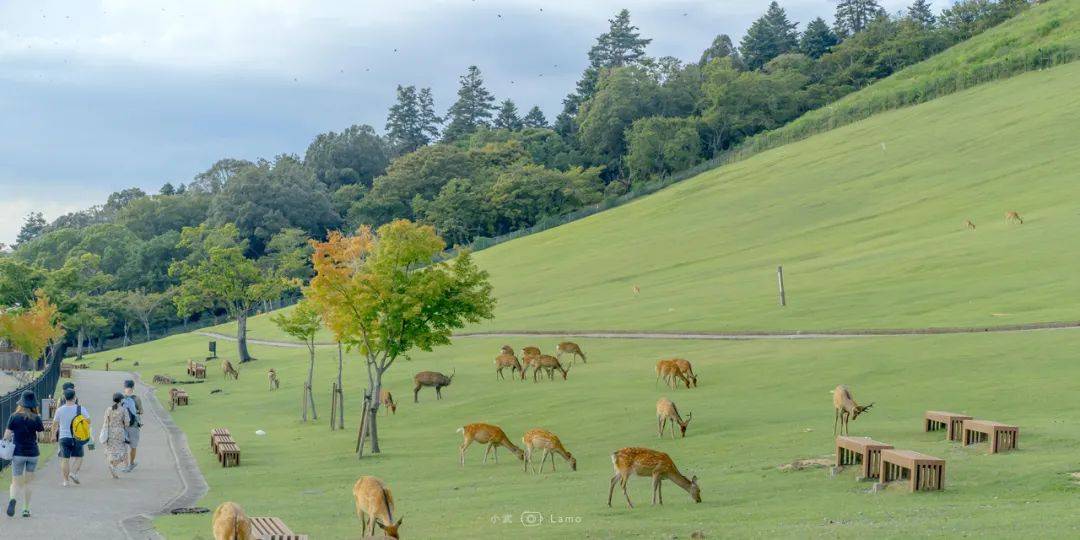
132,466
65,483
11,508
74,478
26,513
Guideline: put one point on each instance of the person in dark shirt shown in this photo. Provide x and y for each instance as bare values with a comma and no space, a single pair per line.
23,427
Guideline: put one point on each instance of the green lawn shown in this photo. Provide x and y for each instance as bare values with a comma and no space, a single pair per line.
760,404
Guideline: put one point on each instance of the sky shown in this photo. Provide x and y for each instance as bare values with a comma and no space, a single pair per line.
101,95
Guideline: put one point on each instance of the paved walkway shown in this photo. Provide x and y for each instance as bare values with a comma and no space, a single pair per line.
104,508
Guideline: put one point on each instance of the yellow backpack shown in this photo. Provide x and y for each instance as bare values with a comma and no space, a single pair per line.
80,426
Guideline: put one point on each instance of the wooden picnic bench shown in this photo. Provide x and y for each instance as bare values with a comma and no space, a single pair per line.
65,370
862,450
218,431
952,423
272,528
923,472
1001,436
229,454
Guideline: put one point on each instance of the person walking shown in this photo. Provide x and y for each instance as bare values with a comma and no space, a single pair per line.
133,405
23,427
114,434
72,435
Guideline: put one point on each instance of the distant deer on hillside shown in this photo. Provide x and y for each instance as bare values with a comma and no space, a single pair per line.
488,434
846,408
1013,216
387,401
669,371
228,369
507,359
431,378
667,412
550,443
272,378
570,348
549,364
969,224
644,462
687,370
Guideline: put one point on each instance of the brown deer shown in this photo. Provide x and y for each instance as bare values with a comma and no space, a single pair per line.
272,378
528,357
375,506
645,462
1013,216
231,523
387,401
549,364
637,290
665,412
969,224
846,408
227,367
488,434
687,371
507,359
570,348
431,378
550,443
669,371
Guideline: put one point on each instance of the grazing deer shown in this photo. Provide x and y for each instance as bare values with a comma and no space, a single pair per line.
507,359
665,412
969,224
528,355
488,434
1013,216
846,408
637,290
271,377
669,371
387,401
227,367
549,364
570,348
687,371
231,523
431,378
645,462
375,505
542,438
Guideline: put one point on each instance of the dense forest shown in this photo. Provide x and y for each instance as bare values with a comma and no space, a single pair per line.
235,237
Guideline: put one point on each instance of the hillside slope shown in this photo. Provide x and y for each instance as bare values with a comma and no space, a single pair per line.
866,219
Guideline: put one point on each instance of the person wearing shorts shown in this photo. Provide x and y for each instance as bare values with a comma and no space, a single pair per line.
71,450
133,405
23,427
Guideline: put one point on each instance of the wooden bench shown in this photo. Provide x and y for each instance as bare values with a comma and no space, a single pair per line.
862,450
272,528
922,471
65,371
1001,436
218,431
952,423
229,454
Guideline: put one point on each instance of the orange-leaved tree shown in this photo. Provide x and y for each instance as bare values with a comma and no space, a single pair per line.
382,293
31,329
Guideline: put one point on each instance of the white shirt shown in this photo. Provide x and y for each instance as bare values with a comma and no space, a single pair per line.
65,415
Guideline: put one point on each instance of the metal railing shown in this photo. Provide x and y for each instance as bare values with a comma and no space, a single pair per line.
43,387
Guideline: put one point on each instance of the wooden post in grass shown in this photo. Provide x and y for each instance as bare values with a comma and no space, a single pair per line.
361,435
780,280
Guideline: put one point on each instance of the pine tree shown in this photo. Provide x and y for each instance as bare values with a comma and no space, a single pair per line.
768,37
34,225
817,39
508,116
535,118
921,13
721,47
854,15
472,109
429,121
621,45
412,122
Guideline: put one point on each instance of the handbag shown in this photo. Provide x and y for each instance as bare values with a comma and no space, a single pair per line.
7,449
103,437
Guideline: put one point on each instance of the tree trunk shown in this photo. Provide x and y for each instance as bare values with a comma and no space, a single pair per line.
341,390
146,326
309,397
127,337
373,412
241,337
79,344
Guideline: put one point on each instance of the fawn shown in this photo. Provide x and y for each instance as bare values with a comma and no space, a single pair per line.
846,408
665,412
507,359
227,367
570,348
542,438
488,434
387,401
645,462
273,379
375,506
549,364
231,523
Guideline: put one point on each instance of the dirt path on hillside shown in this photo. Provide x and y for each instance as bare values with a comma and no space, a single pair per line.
749,334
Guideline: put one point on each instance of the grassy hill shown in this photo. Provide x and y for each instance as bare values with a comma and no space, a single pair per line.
867,220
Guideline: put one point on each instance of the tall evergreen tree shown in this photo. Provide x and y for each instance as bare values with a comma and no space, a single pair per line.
412,122
921,13
32,227
853,15
472,109
817,39
721,47
535,118
508,116
621,45
768,37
